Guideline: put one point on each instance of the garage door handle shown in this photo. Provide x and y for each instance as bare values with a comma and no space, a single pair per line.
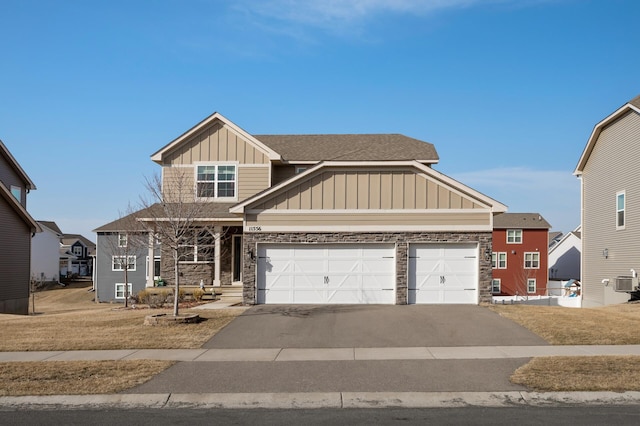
387,289
471,289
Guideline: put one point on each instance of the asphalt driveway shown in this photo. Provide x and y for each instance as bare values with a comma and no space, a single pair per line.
370,326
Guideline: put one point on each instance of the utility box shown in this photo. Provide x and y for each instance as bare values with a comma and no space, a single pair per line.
626,284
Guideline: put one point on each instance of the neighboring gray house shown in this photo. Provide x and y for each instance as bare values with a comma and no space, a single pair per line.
322,219
16,229
610,192
115,251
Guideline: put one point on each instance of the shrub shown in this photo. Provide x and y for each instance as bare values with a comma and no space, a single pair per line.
198,293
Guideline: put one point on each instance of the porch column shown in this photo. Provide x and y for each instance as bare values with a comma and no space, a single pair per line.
217,232
150,260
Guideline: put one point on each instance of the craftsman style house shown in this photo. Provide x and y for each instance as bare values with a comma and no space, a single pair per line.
519,258
610,197
16,229
321,219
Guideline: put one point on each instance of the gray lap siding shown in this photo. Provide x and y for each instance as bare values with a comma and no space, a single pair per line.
400,239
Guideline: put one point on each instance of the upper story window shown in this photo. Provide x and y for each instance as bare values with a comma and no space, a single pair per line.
514,236
118,263
532,260
499,260
122,240
17,192
77,250
620,209
216,181
300,169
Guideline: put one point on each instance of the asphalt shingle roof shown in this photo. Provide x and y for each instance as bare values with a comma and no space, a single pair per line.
520,221
371,147
204,211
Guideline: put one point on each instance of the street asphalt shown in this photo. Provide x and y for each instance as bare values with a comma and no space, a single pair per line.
341,357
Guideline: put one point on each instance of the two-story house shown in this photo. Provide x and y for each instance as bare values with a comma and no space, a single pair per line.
80,252
610,198
16,229
323,219
519,258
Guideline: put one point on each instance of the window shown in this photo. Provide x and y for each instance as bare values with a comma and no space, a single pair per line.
122,240
120,290
17,192
499,260
118,263
532,260
300,169
199,246
531,285
216,181
77,250
514,236
620,209
495,285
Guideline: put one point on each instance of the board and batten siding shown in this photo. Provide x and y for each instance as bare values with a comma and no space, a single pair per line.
216,143
15,261
370,190
611,167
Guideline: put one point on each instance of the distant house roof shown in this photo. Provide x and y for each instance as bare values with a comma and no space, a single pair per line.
51,225
632,105
520,221
350,147
70,239
554,236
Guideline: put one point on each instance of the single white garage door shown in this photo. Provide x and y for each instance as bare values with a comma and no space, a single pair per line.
443,273
326,273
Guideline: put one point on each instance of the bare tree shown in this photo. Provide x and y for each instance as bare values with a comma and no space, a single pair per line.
125,245
179,220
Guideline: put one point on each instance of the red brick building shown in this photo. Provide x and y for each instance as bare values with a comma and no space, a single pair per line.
520,254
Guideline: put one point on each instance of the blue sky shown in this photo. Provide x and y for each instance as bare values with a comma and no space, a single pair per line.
507,90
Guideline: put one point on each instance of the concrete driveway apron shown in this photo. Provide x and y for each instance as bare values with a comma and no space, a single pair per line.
321,330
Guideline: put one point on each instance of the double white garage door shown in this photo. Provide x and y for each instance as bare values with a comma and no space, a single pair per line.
365,273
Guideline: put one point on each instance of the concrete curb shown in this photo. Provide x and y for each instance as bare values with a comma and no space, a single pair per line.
316,400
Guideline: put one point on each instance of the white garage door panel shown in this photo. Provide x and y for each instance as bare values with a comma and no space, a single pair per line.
326,273
443,273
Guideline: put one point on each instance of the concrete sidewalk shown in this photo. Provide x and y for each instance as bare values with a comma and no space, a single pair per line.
324,354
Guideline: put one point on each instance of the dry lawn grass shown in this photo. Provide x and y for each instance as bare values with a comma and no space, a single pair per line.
75,378
574,374
68,319
609,325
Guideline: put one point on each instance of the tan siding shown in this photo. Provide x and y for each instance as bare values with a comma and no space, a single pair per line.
374,185
340,191
370,219
252,180
607,171
378,190
178,184
216,143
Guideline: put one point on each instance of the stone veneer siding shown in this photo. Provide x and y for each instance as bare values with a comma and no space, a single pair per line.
400,239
